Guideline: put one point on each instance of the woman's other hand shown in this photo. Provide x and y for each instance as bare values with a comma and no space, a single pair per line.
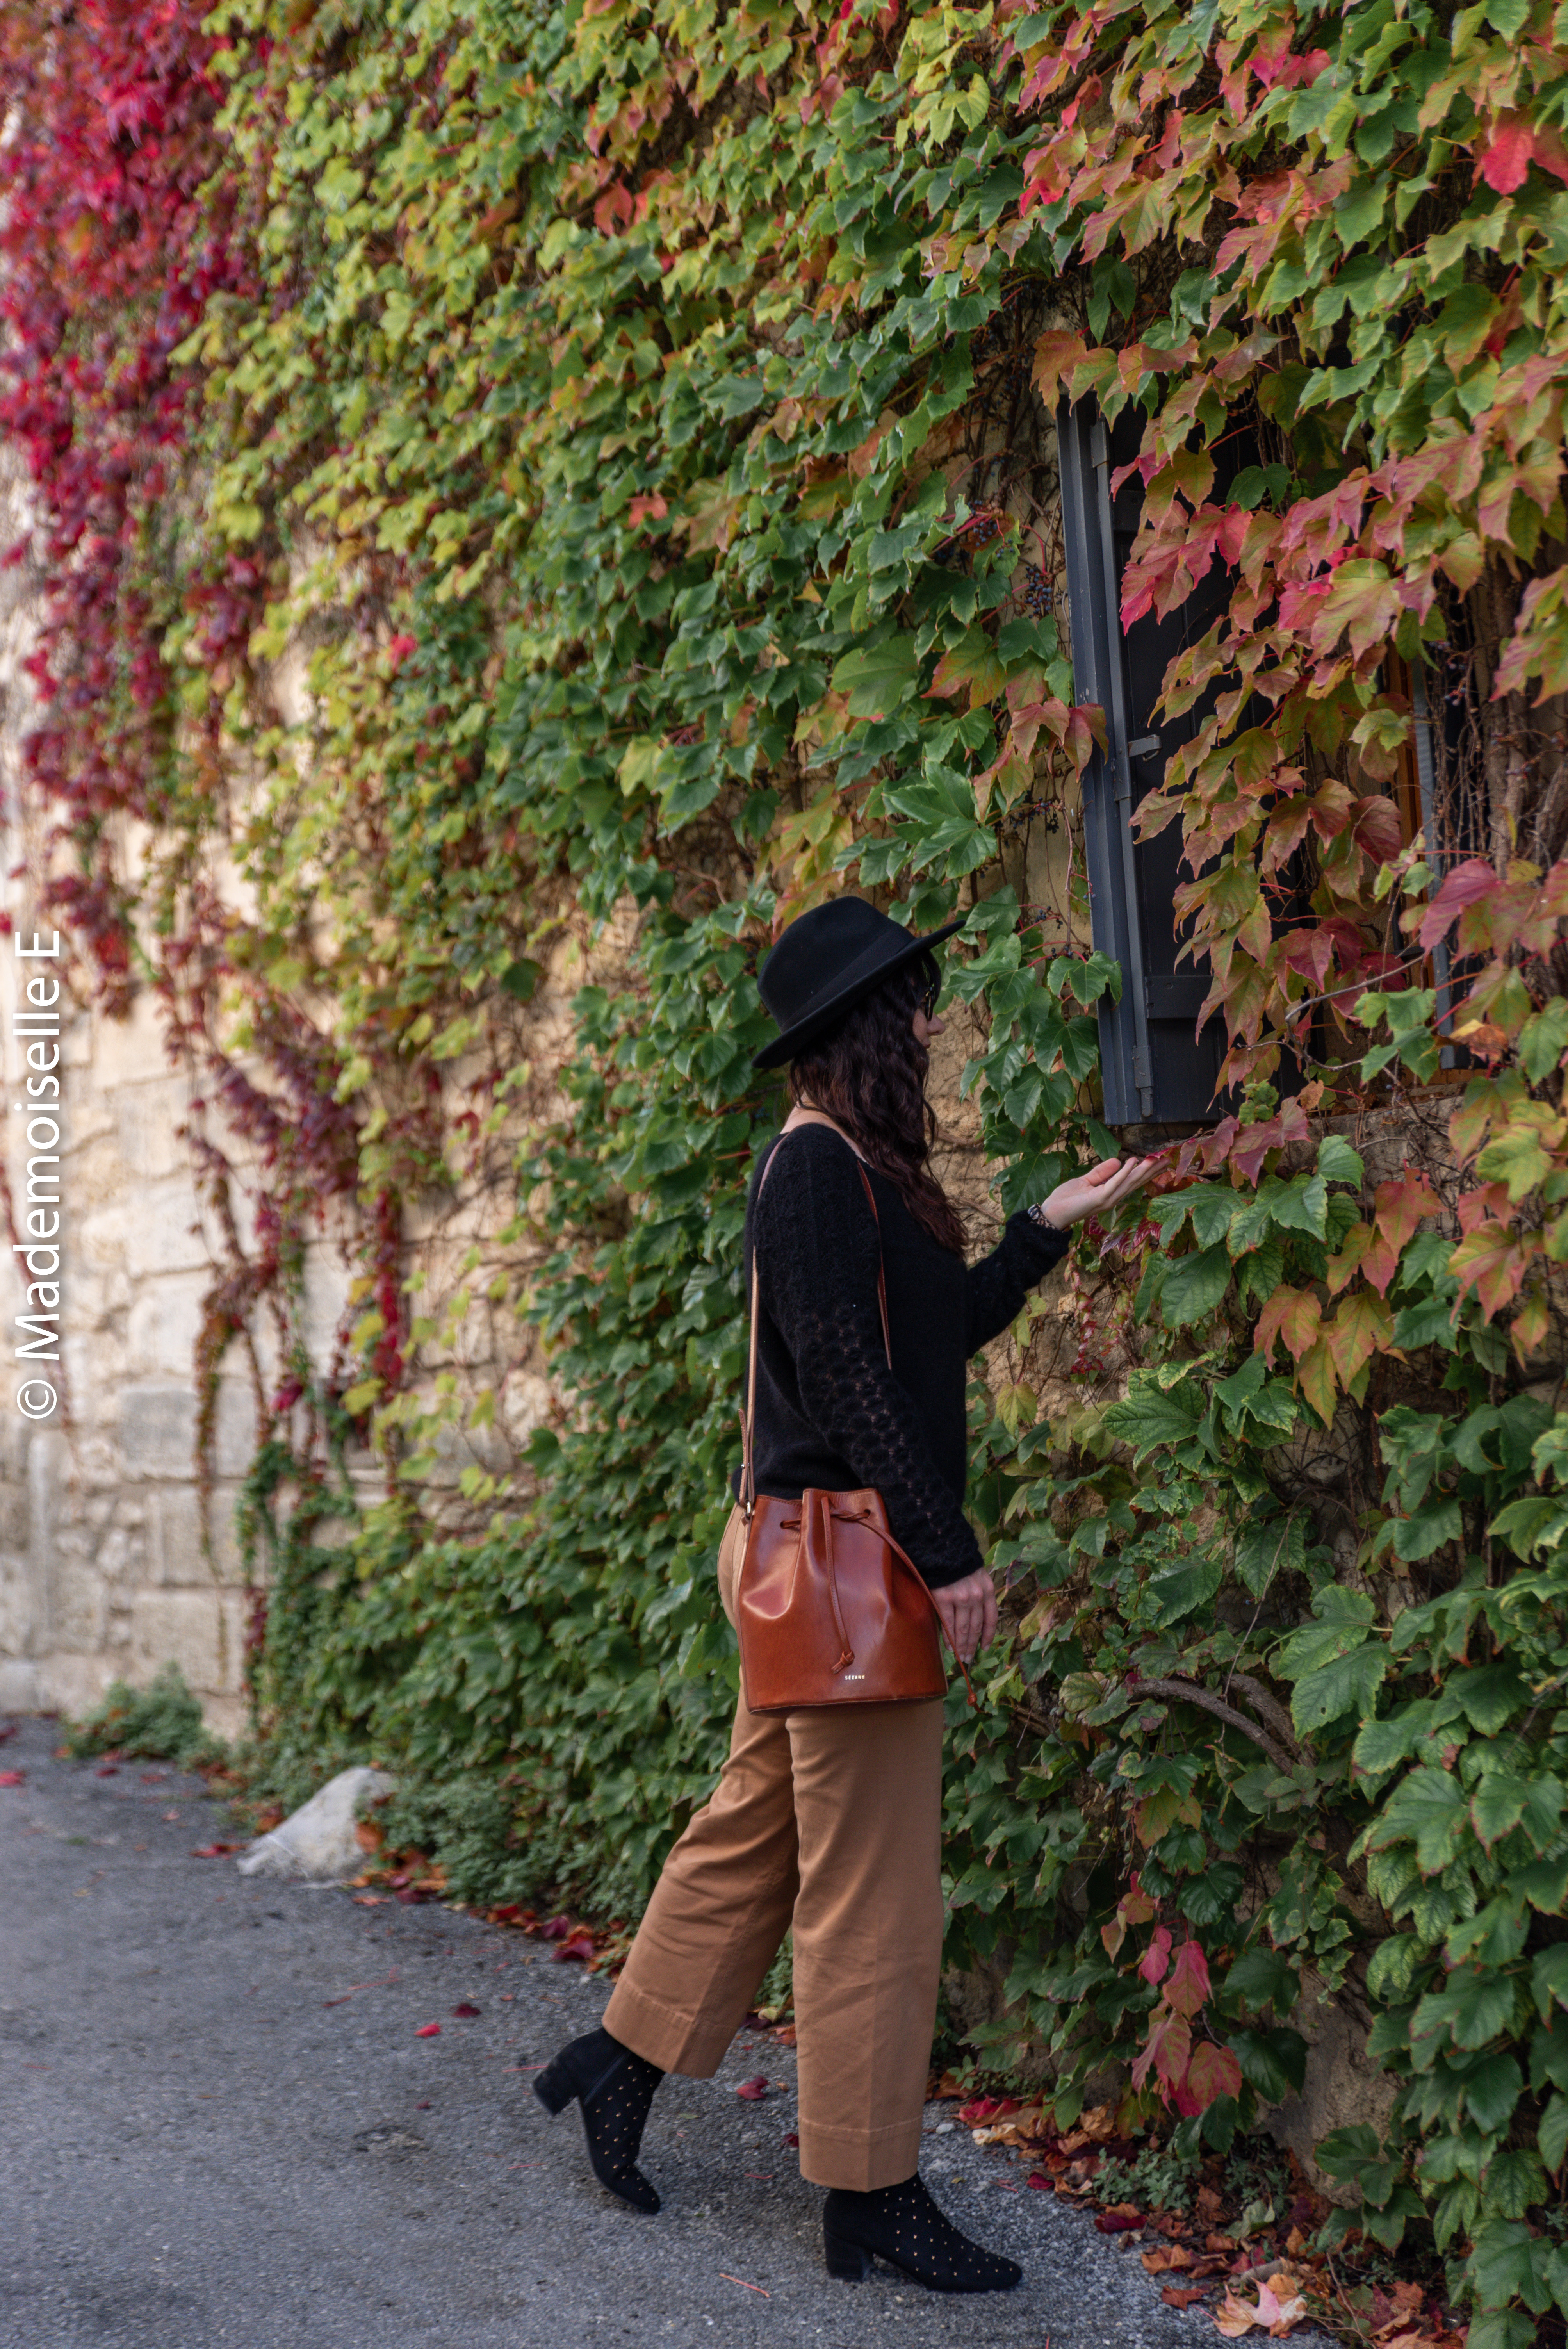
1095,1194
968,1611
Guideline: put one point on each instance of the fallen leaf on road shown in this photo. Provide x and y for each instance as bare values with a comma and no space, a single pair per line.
1177,2295
379,1984
580,1948
784,2034
1119,2219
110,1770
1170,2255
213,1850
1037,2177
369,1899
1210,2204
463,2008
428,2031
790,2137
744,2285
12,1777
556,1928
753,2091
987,2108
1218,2242
1272,2315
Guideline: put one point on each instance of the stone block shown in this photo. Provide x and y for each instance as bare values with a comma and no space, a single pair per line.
18,1609
73,1684
1343,2088
13,1514
77,1043
181,1627
226,1716
80,1602
176,1560
158,1429
235,1435
164,1324
146,1117
119,1555
160,1231
129,1050
21,1689
325,1301
318,1842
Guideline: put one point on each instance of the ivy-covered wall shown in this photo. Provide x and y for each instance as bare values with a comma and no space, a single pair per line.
631,429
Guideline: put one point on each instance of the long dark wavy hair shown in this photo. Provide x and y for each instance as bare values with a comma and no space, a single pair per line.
868,1074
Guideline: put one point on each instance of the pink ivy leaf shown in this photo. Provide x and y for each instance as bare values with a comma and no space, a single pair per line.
1506,160
1157,1956
1465,885
1189,1985
1213,2072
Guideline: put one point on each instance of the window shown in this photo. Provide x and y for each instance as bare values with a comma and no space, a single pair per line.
1154,1069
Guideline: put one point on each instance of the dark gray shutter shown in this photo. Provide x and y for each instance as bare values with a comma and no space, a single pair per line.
1154,1068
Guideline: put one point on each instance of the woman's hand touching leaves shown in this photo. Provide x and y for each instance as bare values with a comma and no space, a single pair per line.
1105,1186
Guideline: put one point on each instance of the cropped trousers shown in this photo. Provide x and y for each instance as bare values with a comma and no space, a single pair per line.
826,1820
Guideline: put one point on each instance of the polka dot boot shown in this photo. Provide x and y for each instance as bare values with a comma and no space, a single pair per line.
615,2088
902,2225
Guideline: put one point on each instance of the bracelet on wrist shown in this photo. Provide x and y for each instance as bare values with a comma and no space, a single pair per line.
1037,1215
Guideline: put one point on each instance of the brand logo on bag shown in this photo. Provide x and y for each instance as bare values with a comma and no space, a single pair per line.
854,1676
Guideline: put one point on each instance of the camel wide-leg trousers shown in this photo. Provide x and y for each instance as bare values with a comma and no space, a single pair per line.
828,1820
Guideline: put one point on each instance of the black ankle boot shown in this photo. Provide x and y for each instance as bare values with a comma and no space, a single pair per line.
615,2088
902,2225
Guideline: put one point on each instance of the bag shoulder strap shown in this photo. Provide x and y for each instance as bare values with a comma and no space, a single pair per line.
749,1412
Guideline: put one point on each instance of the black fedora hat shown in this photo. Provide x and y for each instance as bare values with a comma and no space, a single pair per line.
826,962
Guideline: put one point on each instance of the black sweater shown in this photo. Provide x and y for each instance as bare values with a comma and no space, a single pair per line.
829,1412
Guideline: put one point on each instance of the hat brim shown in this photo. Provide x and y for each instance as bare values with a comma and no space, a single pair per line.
794,1040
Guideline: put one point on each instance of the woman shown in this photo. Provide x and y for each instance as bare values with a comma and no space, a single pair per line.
827,1819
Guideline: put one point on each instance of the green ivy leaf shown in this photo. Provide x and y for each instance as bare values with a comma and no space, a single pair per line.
878,677
1272,2062
1428,1809
1194,1284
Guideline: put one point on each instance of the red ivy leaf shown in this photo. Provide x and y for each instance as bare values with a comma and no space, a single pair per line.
1504,162
1213,2072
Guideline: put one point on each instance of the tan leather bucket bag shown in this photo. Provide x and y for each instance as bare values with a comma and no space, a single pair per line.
829,1608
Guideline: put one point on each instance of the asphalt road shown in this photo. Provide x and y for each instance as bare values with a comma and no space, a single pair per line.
220,2127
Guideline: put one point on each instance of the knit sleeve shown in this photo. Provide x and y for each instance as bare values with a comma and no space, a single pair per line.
818,1252
996,1288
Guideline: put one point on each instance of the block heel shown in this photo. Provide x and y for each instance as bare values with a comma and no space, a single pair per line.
848,2262
614,2089
902,2225
554,2087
